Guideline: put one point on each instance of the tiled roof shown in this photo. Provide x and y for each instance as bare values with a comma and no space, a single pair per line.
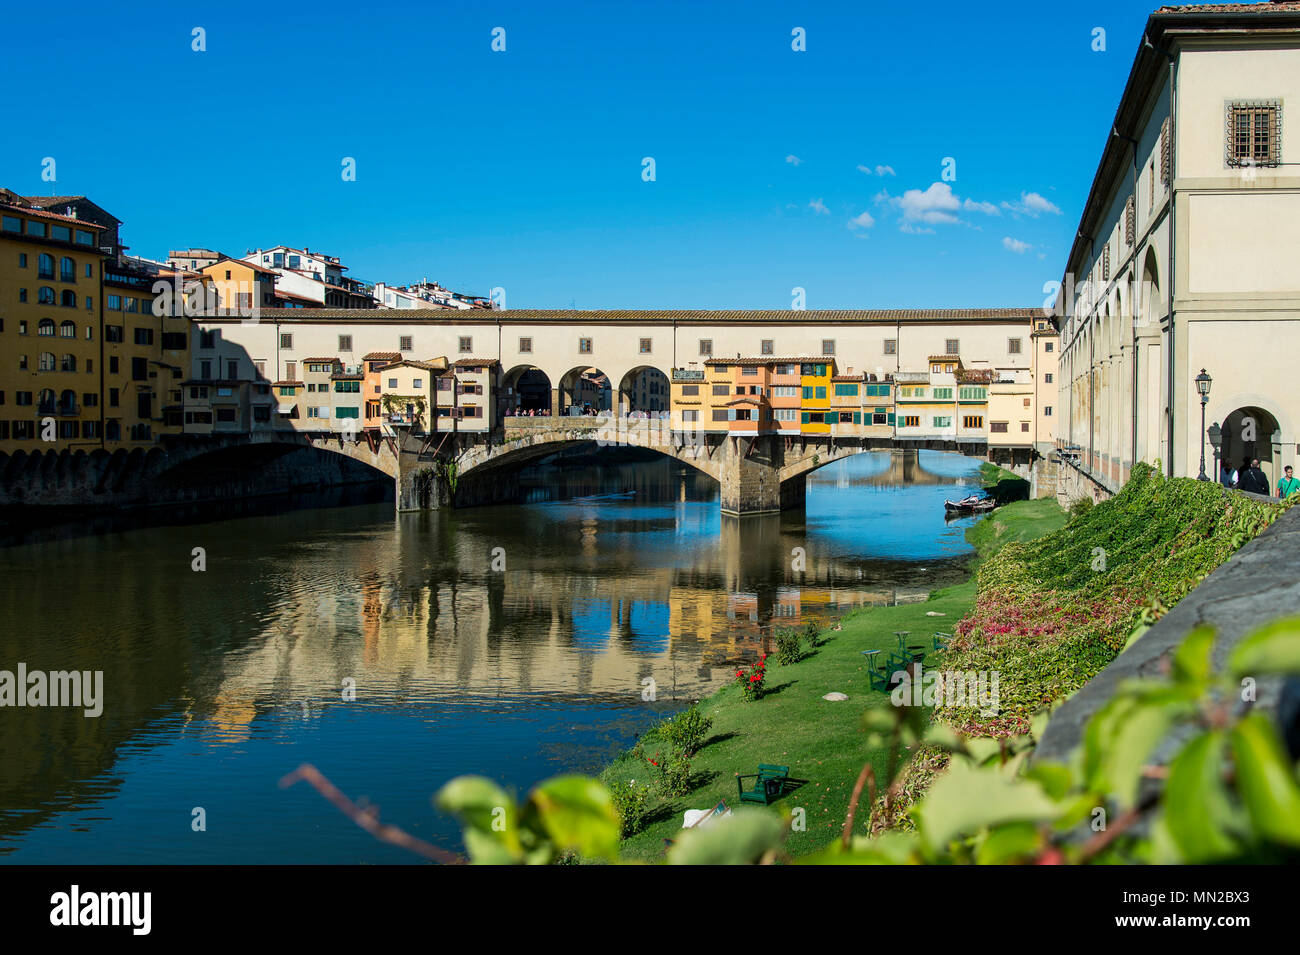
382,356
252,265
278,384
945,358
767,361
414,363
1276,6
475,361
42,214
774,316
348,375
338,361
847,377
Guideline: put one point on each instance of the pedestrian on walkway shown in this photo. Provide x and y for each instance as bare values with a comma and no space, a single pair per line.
1253,479
1289,484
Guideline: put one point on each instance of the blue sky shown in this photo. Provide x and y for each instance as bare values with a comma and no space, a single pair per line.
523,169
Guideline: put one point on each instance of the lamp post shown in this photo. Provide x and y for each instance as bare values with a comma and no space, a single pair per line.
1216,441
1203,389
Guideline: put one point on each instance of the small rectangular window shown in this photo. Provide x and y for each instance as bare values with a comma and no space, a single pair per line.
584,346
768,346
828,346
891,346
1013,346
345,343
405,343
525,346
466,345
706,346
286,341
645,346
951,346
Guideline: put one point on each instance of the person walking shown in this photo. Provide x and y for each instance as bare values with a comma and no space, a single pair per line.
1289,484
1253,479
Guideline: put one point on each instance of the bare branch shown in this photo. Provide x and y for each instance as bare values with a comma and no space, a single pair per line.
367,819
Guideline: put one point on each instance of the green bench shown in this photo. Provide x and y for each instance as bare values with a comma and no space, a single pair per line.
769,784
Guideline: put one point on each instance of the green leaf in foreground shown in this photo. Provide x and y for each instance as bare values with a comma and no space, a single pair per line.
1197,804
742,838
1271,649
577,813
967,800
488,814
1266,780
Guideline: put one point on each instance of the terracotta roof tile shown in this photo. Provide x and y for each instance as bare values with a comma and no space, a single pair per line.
774,316
382,356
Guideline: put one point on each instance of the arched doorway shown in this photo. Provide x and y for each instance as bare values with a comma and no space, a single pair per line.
527,391
1247,435
585,390
643,389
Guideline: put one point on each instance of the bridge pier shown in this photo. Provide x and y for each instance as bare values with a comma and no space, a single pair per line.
750,477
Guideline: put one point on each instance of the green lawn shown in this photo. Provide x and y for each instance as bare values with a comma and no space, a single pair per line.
822,742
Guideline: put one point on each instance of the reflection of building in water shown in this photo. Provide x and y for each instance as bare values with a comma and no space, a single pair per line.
580,618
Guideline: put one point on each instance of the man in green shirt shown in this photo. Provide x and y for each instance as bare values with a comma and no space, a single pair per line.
1288,485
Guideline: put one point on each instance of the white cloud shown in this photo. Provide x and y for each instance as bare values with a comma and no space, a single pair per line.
933,205
862,221
819,207
879,170
793,160
1033,205
988,208
1015,245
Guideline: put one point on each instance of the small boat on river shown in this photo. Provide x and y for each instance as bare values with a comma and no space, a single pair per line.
974,504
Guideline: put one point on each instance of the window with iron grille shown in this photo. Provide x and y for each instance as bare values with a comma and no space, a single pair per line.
525,346
1013,346
706,346
286,341
951,346
645,346
405,342
828,346
891,346
768,346
1254,133
466,344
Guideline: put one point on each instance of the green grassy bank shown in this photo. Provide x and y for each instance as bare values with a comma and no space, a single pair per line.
821,741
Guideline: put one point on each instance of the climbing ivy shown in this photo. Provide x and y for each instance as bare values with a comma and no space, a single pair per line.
1053,611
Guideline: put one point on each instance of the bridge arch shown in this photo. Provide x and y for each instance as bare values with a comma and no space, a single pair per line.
528,389
586,387
643,388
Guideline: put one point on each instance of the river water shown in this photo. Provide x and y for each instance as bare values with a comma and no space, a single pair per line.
394,653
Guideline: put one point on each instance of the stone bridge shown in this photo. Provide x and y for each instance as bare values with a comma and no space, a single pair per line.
190,468
756,473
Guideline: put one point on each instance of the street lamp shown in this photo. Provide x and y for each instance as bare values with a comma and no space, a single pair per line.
1216,441
1203,389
